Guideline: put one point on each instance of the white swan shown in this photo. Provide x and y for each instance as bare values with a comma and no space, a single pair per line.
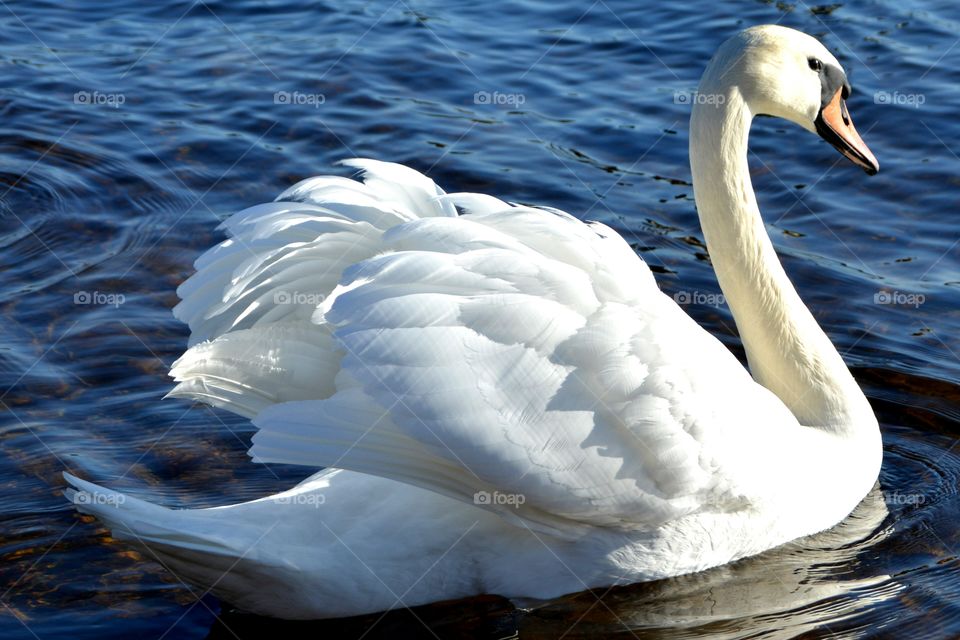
506,401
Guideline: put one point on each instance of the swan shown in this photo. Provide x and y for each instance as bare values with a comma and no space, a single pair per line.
500,397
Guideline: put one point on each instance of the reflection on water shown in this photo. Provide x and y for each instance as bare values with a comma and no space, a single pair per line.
105,203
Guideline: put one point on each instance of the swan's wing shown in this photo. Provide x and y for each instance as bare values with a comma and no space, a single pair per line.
518,359
282,257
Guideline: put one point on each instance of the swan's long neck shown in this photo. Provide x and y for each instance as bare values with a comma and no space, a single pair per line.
787,351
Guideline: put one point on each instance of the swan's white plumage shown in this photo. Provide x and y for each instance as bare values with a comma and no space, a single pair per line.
511,350
435,356
248,370
296,248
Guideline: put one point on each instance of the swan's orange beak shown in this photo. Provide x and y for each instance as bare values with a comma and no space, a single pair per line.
835,126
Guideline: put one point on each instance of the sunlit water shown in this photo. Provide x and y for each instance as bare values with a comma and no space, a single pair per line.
128,130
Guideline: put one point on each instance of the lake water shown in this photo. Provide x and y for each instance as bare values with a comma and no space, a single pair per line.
130,129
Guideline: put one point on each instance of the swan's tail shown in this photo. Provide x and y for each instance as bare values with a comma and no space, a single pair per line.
197,546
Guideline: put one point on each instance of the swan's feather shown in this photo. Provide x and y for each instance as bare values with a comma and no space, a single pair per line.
282,258
513,351
475,202
248,370
413,190
277,265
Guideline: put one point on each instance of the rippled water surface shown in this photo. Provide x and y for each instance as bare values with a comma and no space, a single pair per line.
129,129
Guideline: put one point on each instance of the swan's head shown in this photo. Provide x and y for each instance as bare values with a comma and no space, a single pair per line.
785,73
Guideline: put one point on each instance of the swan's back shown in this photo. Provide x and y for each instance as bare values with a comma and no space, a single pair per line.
514,358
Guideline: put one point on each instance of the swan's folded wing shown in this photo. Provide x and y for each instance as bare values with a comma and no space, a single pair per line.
527,362
281,258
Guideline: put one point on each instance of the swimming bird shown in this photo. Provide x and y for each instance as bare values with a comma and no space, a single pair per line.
501,398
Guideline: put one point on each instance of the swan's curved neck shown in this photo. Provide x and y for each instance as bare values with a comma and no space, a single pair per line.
787,351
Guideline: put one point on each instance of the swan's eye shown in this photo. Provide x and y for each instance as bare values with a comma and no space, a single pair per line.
815,64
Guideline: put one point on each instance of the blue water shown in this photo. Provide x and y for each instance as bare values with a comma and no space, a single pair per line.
130,129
